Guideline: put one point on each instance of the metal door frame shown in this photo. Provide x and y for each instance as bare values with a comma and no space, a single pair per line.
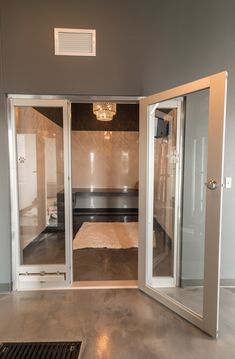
54,273
168,281
217,85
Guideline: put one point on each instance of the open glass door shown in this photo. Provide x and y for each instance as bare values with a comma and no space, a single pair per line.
181,184
40,189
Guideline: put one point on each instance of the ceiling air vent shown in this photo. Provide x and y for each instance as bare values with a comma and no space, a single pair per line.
75,42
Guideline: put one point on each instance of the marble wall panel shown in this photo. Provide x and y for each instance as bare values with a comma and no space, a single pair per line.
105,159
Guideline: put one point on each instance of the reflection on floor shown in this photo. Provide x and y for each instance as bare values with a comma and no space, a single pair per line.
105,263
47,248
29,221
121,323
191,297
88,263
162,252
100,264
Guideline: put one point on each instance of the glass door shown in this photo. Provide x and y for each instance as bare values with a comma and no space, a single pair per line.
181,184
40,174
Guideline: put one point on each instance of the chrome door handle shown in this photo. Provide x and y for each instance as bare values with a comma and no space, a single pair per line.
212,184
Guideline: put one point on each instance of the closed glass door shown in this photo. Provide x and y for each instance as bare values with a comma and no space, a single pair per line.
181,184
39,151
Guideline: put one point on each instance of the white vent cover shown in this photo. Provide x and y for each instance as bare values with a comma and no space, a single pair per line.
75,42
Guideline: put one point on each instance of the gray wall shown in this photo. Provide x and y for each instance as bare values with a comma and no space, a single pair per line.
30,67
142,47
5,244
28,42
5,257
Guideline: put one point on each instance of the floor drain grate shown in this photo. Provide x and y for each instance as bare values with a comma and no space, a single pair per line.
56,350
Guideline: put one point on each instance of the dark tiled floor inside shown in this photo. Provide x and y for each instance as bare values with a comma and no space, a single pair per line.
105,264
162,253
102,263
98,263
48,248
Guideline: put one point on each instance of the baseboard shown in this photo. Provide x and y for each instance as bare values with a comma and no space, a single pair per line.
224,282
105,211
5,287
192,282
227,282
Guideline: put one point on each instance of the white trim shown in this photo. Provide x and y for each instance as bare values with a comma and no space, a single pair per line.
178,191
86,285
80,98
14,196
106,284
159,281
162,282
150,193
46,278
68,190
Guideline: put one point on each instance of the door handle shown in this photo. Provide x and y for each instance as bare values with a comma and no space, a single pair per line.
211,184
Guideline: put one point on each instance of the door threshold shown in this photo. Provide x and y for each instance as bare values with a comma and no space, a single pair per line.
105,284
101,284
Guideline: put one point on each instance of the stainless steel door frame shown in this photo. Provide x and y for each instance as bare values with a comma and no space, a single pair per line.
32,278
217,86
167,281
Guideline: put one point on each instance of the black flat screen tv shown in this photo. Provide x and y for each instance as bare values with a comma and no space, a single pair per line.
161,128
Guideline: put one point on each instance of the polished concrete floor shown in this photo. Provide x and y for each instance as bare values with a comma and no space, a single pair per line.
113,324
105,264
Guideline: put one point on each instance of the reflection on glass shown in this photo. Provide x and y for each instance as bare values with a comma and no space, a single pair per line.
39,137
189,239
164,190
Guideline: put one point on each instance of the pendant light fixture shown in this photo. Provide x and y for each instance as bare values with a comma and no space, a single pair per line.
104,111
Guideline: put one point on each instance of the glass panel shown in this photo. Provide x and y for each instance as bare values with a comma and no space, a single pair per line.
105,204
39,138
178,244
164,190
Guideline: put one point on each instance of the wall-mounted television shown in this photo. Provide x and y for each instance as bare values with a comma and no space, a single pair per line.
161,126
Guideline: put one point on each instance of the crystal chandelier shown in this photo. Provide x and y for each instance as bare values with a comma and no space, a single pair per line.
104,111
